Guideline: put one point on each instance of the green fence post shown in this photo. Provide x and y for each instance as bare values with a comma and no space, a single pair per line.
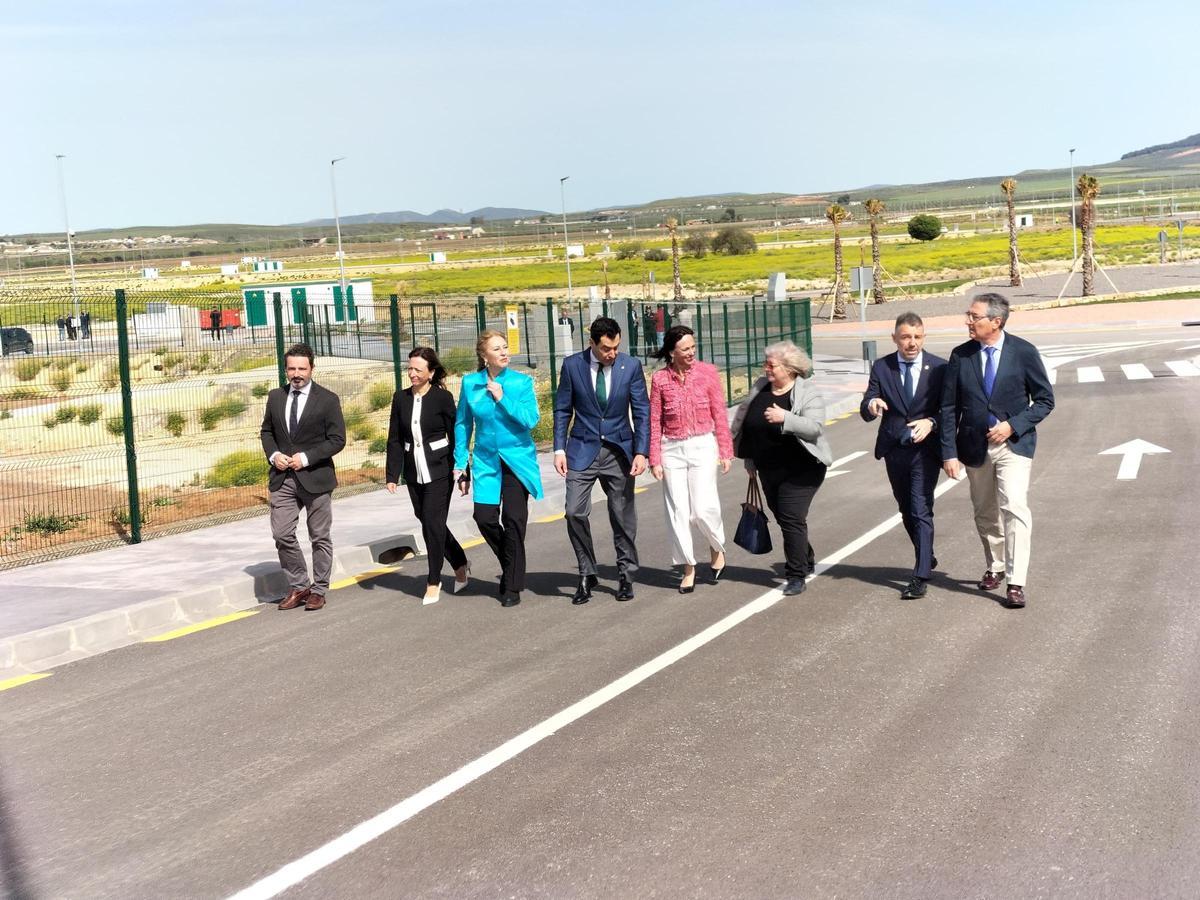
277,308
728,364
135,505
358,334
530,349
699,329
550,342
437,344
394,313
480,314
808,347
328,334
792,320
746,320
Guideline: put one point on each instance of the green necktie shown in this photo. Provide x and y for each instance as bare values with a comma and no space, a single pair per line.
601,389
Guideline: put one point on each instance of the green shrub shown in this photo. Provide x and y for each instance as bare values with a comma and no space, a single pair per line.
251,362
61,379
80,368
5,413
50,421
734,242
379,395
160,351
28,369
112,374
695,245
353,415
260,390
89,413
241,468
171,360
62,363
924,227
65,414
226,408
543,431
378,445
203,361
363,431
115,425
120,516
21,393
163,501
460,360
656,254
51,523
629,250
175,423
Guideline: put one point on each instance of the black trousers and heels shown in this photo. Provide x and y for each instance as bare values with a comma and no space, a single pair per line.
503,526
431,503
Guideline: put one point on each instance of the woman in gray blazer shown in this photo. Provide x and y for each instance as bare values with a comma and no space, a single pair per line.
779,430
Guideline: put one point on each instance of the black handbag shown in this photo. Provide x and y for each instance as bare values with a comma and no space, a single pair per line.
752,534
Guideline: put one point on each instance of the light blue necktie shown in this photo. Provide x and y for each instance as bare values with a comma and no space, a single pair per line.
989,378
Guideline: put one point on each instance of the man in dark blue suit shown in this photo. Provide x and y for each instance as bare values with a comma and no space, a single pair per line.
603,390
905,388
995,393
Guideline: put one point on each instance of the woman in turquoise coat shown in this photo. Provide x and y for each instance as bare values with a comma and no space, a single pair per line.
500,407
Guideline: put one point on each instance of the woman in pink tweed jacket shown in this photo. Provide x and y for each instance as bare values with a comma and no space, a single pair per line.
689,439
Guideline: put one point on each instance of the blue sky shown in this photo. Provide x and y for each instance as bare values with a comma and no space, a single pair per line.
172,113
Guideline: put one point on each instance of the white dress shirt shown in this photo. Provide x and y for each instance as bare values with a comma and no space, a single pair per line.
915,370
983,357
301,402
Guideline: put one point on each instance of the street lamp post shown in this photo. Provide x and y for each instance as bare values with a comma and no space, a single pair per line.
562,193
62,192
1074,236
337,223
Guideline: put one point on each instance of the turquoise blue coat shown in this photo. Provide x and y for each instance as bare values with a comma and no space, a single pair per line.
502,432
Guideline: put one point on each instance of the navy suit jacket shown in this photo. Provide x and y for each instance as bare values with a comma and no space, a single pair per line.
885,383
1021,396
576,395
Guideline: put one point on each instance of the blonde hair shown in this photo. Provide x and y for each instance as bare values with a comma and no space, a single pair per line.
792,357
481,344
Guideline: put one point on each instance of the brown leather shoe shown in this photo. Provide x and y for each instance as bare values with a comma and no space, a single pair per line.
315,601
990,581
1016,597
294,598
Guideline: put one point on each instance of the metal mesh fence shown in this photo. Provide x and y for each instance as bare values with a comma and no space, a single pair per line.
124,416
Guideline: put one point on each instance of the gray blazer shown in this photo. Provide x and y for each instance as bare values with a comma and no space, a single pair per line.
806,421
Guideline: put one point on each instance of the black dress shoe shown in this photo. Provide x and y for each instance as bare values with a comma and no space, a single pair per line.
915,589
625,588
794,586
933,563
583,593
510,599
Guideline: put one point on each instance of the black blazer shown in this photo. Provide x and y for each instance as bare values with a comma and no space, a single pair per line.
437,432
320,434
885,383
1021,396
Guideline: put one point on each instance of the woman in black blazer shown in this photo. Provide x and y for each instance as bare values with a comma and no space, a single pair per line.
421,447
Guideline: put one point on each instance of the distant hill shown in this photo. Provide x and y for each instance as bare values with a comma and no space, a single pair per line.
1190,141
438,217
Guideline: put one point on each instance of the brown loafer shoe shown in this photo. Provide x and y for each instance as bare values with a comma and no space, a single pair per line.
990,581
1016,597
295,598
315,601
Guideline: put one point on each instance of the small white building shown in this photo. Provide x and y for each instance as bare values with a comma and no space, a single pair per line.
150,273
268,265
437,256
574,250
229,269
322,302
1024,220
185,264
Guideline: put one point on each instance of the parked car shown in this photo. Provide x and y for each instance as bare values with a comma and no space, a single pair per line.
15,340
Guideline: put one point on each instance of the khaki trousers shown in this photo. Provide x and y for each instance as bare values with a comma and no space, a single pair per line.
999,493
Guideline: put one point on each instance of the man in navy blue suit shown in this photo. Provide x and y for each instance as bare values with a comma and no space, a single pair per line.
995,393
603,390
905,388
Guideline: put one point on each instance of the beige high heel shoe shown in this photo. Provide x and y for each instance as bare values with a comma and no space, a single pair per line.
466,577
433,593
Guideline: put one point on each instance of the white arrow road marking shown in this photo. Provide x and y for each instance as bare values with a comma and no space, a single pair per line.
1183,368
1131,453
834,471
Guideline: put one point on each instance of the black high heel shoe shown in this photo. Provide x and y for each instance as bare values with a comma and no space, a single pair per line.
688,588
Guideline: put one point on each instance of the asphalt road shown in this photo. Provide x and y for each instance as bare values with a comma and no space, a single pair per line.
840,743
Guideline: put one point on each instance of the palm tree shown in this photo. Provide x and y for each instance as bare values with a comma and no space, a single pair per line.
875,209
1088,187
837,214
1009,187
671,225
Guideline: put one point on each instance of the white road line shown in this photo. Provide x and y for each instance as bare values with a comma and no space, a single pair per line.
848,458
1191,347
1052,374
1088,374
1136,371
365,832
1183,368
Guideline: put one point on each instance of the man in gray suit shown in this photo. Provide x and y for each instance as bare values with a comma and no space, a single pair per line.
302,431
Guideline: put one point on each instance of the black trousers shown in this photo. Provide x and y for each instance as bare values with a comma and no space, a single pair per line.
503,527
431,503
913,472
789,495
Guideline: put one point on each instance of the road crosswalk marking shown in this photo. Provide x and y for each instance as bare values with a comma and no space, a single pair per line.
1183,368
1088,374
1136,371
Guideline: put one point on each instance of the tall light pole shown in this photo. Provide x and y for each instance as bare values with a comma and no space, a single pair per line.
337,223
562,193
62,193
1074,236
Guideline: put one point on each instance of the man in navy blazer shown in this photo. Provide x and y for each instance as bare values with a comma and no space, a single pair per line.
995,393
905,388
602,402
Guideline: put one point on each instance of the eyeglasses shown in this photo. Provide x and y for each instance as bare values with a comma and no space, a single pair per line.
972,318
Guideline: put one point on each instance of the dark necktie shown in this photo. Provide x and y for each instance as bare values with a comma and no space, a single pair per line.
601,389
294,415
910,389
989,378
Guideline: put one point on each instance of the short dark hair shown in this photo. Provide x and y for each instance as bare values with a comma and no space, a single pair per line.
437,370
908,318
997,306
301,350
674,335
604,327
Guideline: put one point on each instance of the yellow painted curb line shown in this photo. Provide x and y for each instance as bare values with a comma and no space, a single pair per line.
22,679
474,542
361,577
545,519
199,626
